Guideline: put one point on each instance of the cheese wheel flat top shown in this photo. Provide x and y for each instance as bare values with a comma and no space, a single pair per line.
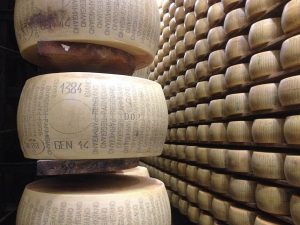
256,8
288,91
237,75
289,20
136,171
239,131
242,190
236,104
241,216
238,160
216,36
201,28
291,169
268,131
235,20
201,8
94,193
37,21
76,127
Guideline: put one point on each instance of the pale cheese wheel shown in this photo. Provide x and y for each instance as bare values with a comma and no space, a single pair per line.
61,136
216,37
202,90
264,31
181,134
205,219
217,84
180,48
181,186
289,19
217,132
217,60
191,134
180,32
166,33
291,169
238,161
237,48
202,70
166,48
161,80
173,88
215,14
166,19
257,8
161,40
236,104
173,183
180,99
193,214
201,49
173,134
182,169
217,157
203,177
295,209
166,150
160,55
180,66
166,179
273,200
180,151
262,220
190,58
136,171
235,20
174,165
173,70
291,130
190,21
189,5
183,206
190,78
167,91
242,190
189,40
94,194
202,156
172,39
179,15
180,118
201,28
237,75
189,114
167,64
201,112
288,91
191,173
239,131
165,5
264,64
216,108
192,193
180,82
220,209
219,182
173,152
179,2
190,152
175,200
167,165
201,8
204,200
190,95
172,9
160,67
203,133
241,216
268,131
264,97
268,165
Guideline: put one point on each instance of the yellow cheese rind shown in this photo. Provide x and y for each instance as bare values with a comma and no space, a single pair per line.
216,36
202,155
183,206
205,219
217,132
238,161
289,53
202,70
192,194
291,169
289,20
217,157
236,104
203,133
237,48
201,28
219,182
216,108
217,60
204,177
216,84
215,14
235,20
295,209
268,131
288,91
201,8
193,214
242,190
201,49
220,209
256,8
204,200
240,216
237,75
201,112
239,131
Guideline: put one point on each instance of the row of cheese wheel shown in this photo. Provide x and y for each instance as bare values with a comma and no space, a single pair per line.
260,131
240,190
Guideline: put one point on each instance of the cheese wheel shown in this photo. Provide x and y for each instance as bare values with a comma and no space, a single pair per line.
166,179
189,40
165,6
201,112
220,209
192,193
257,8
160,67
193,214
202,156
203,177
216,37
217,60
237,75
204,200
262,220
183,206
189,5
219,182
166,149
264,64
201,27
161,80
273,200
217,132
172,9
216,108
190,152
181,134
167,91
236,104
166,33
189,114
160,55
216,84
190,78
173,38
202,90
190,95
166,62
180,82
180,151
191,173
215,14
264,97
167,165
173,183
173,71
180,118
180,99
191,134
289,19
239,131
174,167
190,21
268,131
166,19
217,157
205,219
235,20
201,49
136,171
173,134
179,15
61,136
201,8
288,91
181,186
179,2
240,216
211,2
180,66
202,70
237,48
203,133
242,190
175,200
182,169
238,161
294,207
166,48
264,31
180,32
291,169
268,165
291,129
173,88
190,58
180,48
173,152
77,195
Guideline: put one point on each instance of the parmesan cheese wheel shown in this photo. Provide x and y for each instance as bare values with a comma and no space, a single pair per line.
165,6
291,129
240,216
204,200
166,33
136,171
181,186
160,67
268,131
193,214
201,28
202,70
190,21
94,194
217,132
264,64
172,103
238,161
237,48
172,39
180,48
191,173
180,82
273,200
217,84
201,156
61,136
189,40
216,108
180,117
166,48
289,19
180,99
192,193
219,182
189,5
167,165
161,80
242,190
190,152
173,152
190,95
294,207
205,219
189,114
174,167
190,78
173,183
236,104
257,8
201,49
203,133
191,134
239,131
166,62
220,209
173,88
201,112
181,134
172,9
180,66
190,58
166,179
217,60
268,165
235,20
160,55
183,206
180,32
182,170
237,75
173,71
216,37
217,157
262,220
201,8
202,90
264,97
179,2
179,15
173,134
215,14
166,19
264,31
167,91
180,151
203,177
288,91
175,200
291,169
